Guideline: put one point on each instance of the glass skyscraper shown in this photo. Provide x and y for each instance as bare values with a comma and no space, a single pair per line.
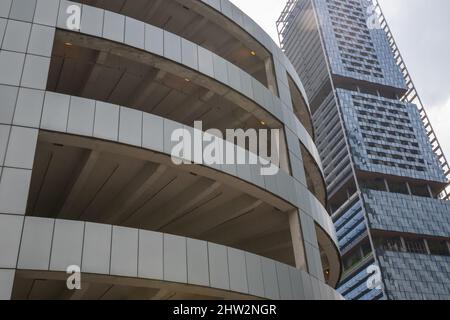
385,172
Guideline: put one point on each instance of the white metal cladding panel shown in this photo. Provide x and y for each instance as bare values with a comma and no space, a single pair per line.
36,244
172,46
269,270
11,64
23,10
16,36
55,112
218,262
10,234
81,116
46,12
41,40
29,108
254,274
8,97
14,186
5,7
151,255
67,244
284,281
135,33
298,292
237,270
124,252
106,123
175,259
151,131
92,20
21,147
130,129
136,253
154,39
35,72
189,54
96,248
7,281
114,26
197,262
4,135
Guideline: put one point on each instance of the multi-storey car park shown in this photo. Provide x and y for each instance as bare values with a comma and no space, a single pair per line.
384,169
85,153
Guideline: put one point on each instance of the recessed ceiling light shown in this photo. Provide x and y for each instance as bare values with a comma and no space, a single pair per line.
263,123
58,145
187,80
68,44
253,53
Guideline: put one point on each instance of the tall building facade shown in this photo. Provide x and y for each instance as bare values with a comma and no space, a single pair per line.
91,93
384,169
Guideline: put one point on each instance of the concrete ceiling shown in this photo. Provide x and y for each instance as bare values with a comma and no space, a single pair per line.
90,182
194,21
100,75
31,285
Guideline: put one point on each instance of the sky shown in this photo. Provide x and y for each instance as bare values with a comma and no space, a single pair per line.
421,29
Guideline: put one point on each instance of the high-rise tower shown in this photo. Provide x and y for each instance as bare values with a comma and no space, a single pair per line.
385,172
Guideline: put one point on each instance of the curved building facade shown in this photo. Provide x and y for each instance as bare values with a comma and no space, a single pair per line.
91,93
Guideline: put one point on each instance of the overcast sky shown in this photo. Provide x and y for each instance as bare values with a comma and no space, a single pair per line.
421,29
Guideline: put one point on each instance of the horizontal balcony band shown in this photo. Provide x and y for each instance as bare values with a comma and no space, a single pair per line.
93,119
405,213
143,258
254,91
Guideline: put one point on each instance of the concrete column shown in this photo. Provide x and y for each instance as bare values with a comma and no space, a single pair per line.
361,252
297,241
430,191
270,74
426,246
403,248
284,153
386,184
409,188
